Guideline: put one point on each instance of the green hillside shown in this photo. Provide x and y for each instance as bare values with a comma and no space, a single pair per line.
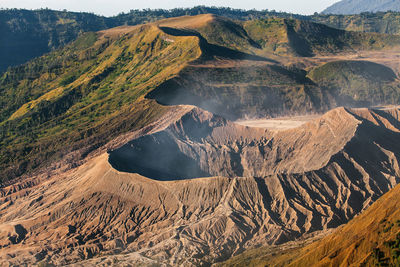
305,38
82,96
28,34
280,36
358,81
78,98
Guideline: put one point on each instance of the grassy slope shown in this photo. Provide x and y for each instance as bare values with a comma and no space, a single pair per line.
215,29
362,81
28,34
228,33
305,38
270,34
281,36
85,94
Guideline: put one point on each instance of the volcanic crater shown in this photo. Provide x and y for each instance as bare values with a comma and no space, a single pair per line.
263,186
201,144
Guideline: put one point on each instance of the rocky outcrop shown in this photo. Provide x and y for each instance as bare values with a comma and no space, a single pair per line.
263,188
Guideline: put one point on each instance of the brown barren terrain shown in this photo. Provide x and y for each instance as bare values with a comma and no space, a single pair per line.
264,187
144,180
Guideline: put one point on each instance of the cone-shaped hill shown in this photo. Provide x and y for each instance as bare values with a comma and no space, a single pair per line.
136,204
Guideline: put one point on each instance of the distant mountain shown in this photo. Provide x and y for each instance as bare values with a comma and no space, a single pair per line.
347,7
381,22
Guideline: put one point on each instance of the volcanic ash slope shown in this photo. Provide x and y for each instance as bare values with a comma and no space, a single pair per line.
142,201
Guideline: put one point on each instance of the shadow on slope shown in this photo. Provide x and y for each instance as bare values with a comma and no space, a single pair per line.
169,154
248,91
211,50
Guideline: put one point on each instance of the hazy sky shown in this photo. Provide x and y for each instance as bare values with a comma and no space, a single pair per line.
113,7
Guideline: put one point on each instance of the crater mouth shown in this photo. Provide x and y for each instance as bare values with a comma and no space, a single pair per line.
199,144
156,157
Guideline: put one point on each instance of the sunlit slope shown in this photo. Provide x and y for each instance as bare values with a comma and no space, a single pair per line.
305,38
65,100
215,29
280,36
27,34
139,201
371,239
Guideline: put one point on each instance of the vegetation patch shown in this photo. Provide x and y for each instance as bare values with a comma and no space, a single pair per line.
361,82
82,96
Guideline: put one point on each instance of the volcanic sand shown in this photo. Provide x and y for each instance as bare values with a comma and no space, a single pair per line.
281,123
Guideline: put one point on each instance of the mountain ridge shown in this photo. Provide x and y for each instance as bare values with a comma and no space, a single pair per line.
348,7
28,34
83,89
